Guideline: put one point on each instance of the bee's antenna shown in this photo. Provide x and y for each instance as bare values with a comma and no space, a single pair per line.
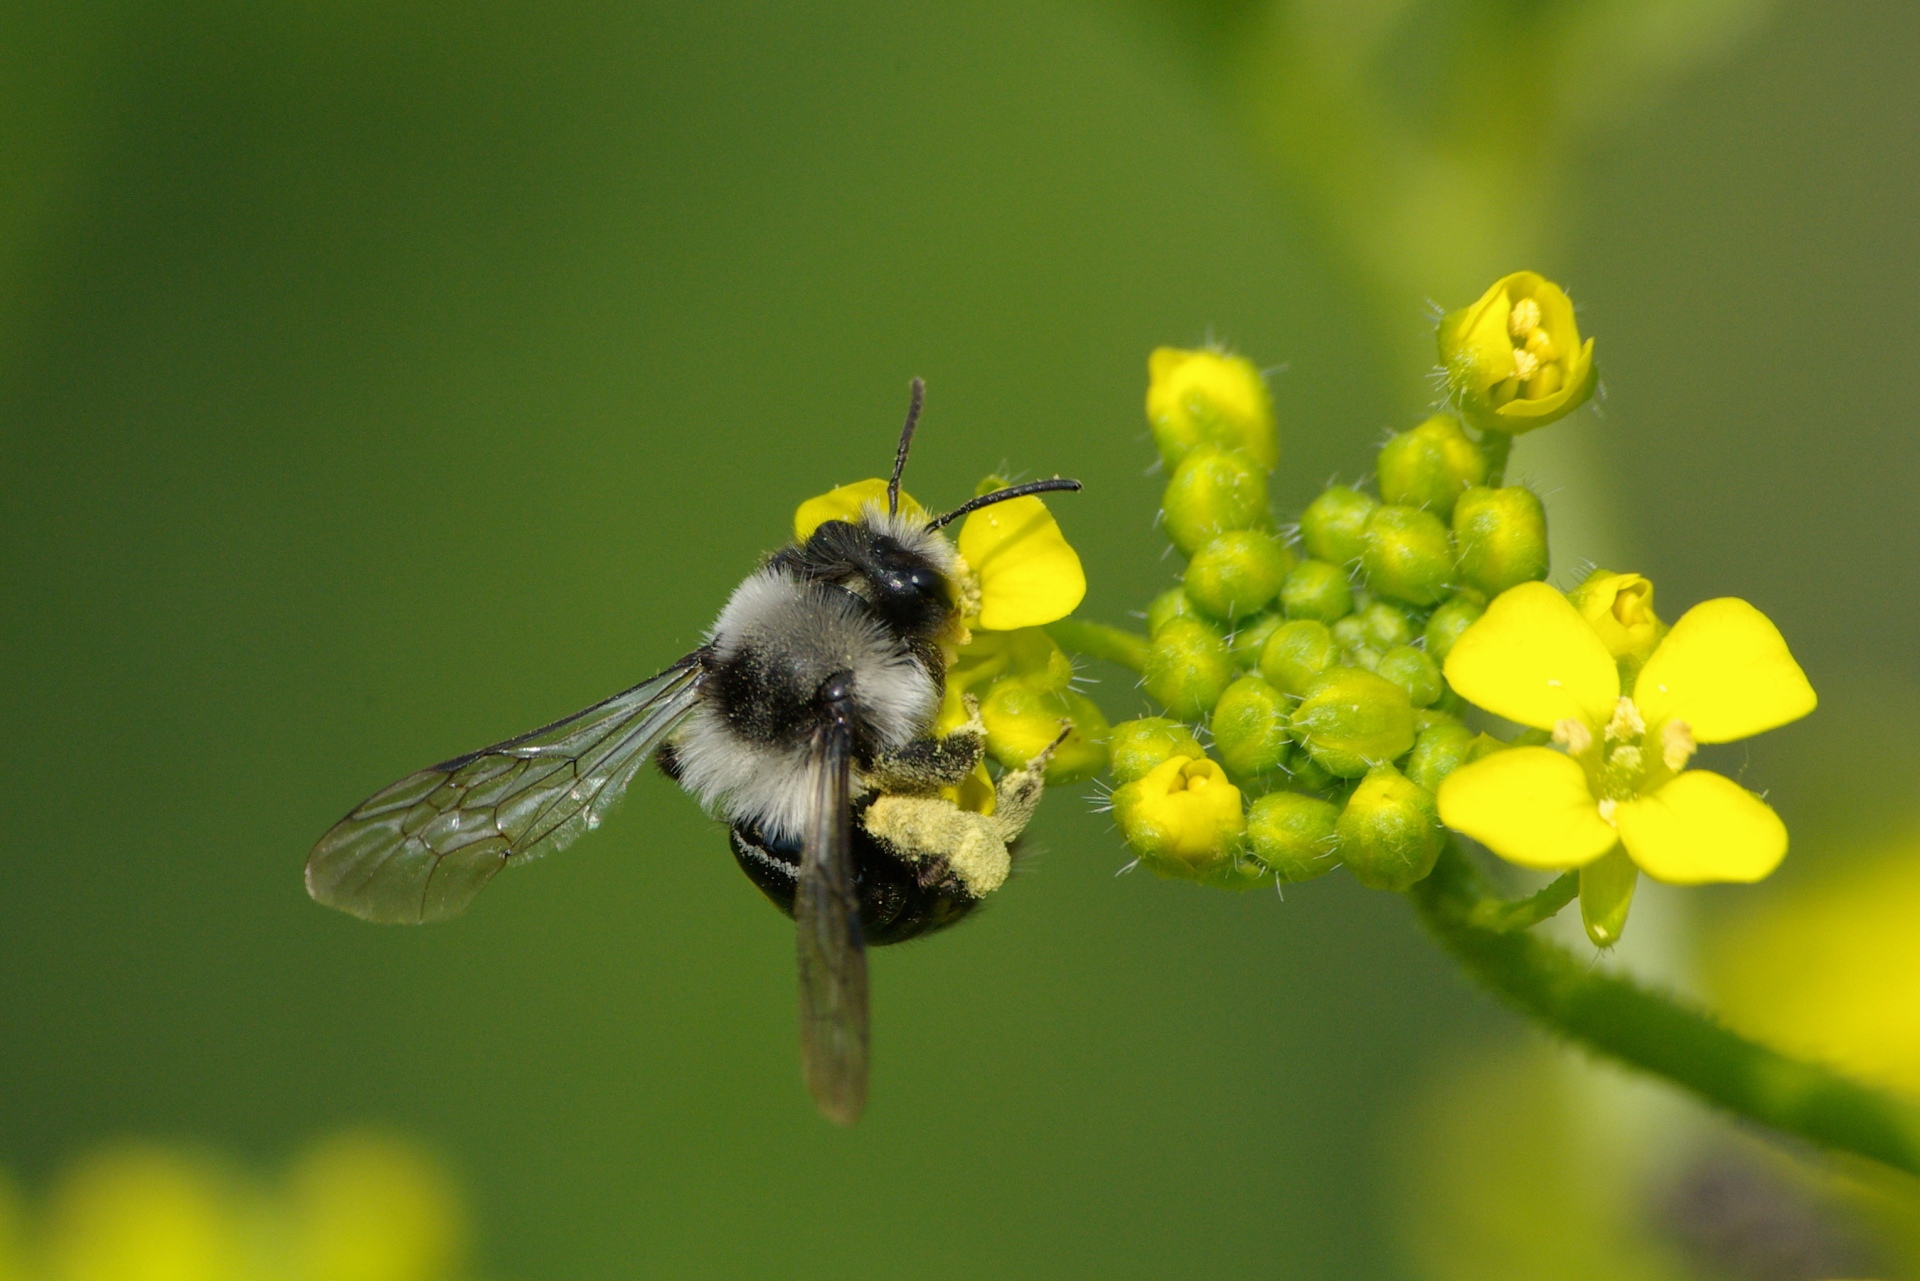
919,395
1001,496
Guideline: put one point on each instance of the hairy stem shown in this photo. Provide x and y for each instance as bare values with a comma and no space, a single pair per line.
1504,916
1497,445
1657,1033
1097,640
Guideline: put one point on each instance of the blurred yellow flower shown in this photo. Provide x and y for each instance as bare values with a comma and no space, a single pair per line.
360,1206
846,503
1209,398
1722,673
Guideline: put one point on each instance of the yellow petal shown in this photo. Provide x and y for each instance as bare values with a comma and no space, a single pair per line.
1724,669
1530,806
1531,658
1028,573
845,503
1702,827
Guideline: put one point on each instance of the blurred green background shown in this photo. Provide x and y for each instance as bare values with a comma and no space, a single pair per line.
379,380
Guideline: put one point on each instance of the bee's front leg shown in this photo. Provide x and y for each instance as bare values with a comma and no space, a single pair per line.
926,765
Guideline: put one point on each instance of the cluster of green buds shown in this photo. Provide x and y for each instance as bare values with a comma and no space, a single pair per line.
1308,723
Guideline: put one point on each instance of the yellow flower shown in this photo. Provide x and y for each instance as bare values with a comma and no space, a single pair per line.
1026,572
1184,818
1514,360
1620,778
1209,398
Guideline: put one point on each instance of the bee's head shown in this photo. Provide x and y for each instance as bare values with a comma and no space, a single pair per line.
900,564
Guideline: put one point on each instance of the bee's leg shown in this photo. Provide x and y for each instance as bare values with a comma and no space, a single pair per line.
1017,795
928,764
941,840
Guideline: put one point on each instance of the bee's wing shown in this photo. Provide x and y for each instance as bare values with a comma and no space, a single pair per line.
833,960
422,848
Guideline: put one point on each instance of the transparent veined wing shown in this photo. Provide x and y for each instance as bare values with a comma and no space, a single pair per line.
832,956
421,849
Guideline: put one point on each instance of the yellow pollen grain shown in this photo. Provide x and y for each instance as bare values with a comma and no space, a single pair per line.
1524,319
1676,744
1573,735
1525,365
1626,723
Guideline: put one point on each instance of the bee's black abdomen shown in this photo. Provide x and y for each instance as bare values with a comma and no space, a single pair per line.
898,901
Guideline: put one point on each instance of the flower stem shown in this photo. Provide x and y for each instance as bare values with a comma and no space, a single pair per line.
1657,1033
1504,916
1097,640
1497,445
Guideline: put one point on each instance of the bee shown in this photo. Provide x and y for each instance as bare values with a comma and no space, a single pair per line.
805,722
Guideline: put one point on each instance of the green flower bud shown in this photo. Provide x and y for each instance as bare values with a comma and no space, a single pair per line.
1296,654
1250,637
1390,834
1317,589
1335,524
1514,360
1250,729
1407,555
1183,817
1503,537
1445,624
1238,573
1350,634
1484,745
1212,492
1308,774
1023,717
1135,747
1209,398
1294,834
1384,627
1188,665
1438,750
1168,605
1351,720
1413,671
1606,892
1430,466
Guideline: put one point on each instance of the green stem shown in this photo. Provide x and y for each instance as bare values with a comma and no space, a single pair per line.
1657,1033
1097,640
1503,916
1496,445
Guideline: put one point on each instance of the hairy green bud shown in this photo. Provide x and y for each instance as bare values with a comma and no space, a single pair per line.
1502,535
1430,466
1209,398
1308,774
1390,834
1317,589
1250,637
1188,666
1250,729
1296,654
1351,720
1334,525
1350,634
1213,492
1413,671
1237,573
1168,605
1438,750
1407,555
1023,717
1384,627
1135,747
1446,623
1294,834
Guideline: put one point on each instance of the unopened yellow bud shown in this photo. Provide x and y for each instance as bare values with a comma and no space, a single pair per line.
1212,491
1390,833
1209,398
1139,745
1619,607
1514,360
1430,466
1184,818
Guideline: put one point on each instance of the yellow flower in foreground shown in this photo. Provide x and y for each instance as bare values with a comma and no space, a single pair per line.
1026,571
1514,360
1620,778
